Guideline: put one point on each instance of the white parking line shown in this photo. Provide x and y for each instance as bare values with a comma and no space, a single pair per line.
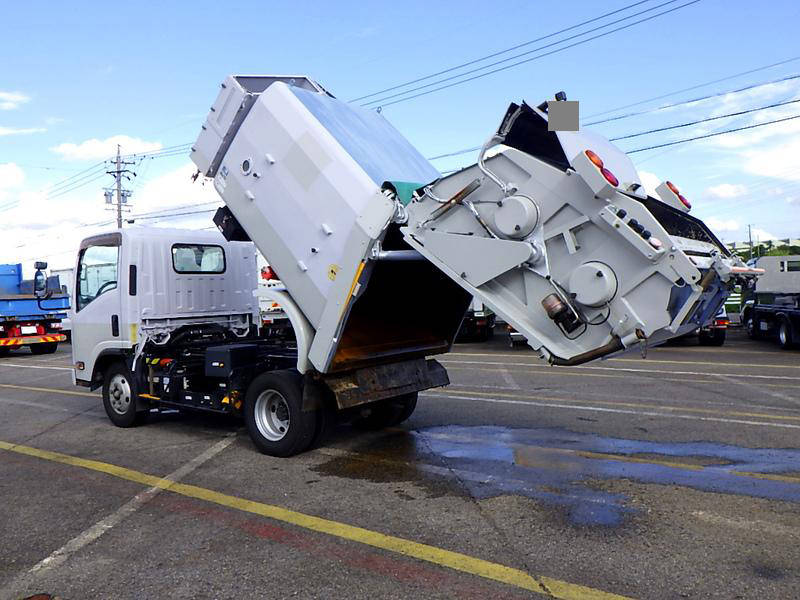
759,389
757,528
446,362
624,411
23,366
89,535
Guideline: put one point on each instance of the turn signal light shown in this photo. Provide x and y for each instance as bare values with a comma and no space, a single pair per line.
674,189
598,162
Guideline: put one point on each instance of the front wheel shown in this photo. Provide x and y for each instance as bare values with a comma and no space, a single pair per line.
5,350
44,348
273,413
119,397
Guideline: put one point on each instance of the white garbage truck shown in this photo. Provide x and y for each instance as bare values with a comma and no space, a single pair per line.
552,230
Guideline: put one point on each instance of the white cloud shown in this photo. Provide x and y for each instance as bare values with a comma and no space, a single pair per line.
780,160
95,149
11,176
761,235
55,236
726,190
717,224
175,188
650,181
20,131
12,100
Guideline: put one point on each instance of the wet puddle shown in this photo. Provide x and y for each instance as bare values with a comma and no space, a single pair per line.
562,468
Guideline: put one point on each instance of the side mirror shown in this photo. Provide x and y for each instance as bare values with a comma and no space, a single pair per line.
40,280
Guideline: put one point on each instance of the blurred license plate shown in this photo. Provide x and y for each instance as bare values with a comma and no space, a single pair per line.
28,329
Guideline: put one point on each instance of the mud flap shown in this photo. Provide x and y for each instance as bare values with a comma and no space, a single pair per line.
386,381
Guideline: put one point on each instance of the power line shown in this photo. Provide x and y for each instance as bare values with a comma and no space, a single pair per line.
693,100
475,148
494,54
693,87
708,135
382,104
706,120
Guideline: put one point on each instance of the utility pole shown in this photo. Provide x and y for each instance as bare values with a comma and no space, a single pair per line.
122,194
750,235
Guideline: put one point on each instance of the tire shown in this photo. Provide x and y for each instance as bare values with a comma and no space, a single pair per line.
750,325
44,348
4,351
714,338
274,417
120,397
785,335
482,335
387,413
327,418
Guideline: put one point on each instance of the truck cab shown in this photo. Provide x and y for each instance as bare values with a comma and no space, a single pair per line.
152,281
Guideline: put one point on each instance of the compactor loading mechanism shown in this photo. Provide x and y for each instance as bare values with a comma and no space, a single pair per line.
553,231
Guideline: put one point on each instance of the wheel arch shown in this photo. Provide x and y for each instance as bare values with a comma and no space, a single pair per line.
104,360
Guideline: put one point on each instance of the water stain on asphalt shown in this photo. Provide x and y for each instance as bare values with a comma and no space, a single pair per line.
561,468
392,457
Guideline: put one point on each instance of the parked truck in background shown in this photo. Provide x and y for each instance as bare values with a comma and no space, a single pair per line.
478,323
771,307
66,278
30,311
553,232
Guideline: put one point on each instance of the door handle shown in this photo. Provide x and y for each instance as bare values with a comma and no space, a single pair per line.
115,325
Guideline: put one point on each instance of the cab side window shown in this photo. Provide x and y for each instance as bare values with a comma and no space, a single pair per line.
97,273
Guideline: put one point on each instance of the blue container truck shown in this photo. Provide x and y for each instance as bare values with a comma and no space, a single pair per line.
30,311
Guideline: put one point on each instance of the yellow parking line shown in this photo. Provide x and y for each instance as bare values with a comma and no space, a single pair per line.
770,476
44,389
432,554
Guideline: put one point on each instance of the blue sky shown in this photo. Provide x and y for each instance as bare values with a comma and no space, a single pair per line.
77,77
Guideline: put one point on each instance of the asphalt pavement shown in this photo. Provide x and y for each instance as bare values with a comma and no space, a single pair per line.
671,476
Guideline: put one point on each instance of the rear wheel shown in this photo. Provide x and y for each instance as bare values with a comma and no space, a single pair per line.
44,348
120,397
274,417
4,350
387,413
785,334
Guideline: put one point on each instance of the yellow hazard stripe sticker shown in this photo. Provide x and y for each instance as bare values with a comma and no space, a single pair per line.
32,339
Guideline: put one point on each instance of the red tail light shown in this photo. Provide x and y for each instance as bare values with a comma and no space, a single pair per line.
610,177
268,274
598,162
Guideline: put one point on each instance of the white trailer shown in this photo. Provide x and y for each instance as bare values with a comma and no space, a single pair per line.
553,232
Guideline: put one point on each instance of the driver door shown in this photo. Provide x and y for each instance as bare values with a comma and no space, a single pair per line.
97,302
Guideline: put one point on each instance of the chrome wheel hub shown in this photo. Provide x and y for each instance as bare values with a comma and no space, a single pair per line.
119,394
272,415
